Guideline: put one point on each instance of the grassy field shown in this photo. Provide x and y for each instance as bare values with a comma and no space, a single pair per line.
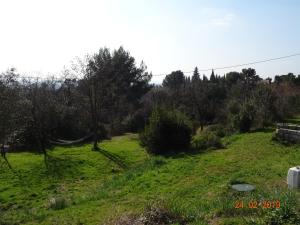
82,186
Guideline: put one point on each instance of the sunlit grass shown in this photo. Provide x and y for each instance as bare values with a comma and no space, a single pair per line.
97,187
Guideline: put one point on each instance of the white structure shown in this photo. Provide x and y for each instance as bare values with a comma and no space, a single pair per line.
293,178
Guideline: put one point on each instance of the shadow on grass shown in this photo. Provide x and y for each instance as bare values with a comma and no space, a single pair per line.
190,152
264,130
284,143
74,145
5,165
62,166
131,174
7,162
179,154
58,168
113,157
55,167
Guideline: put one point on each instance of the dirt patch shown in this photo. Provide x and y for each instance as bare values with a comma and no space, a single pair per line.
152,216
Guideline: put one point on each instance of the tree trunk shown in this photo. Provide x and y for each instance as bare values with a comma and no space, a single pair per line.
42,148
95,146
94,115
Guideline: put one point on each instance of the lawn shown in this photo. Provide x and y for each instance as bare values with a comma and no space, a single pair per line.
91,187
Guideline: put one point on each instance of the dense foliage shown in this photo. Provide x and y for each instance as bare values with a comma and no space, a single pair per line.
166,131
239,101
96,96
208,138
108,94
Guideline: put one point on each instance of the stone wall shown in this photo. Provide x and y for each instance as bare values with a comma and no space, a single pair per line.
288,132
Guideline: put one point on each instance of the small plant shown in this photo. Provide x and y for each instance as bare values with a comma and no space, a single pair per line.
285,215
154,214
57,203
160,214
167,131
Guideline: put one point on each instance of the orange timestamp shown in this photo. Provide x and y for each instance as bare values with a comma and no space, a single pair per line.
255,204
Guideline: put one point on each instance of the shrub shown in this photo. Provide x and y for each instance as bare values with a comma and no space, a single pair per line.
158,213
218,129
166,131
134,122
206,139
240,116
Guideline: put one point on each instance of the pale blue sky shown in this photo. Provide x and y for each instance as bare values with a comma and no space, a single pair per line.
42,36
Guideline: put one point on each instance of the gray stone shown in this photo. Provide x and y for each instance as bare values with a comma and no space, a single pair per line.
243,187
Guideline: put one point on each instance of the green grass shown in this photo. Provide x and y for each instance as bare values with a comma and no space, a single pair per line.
294,120
82,186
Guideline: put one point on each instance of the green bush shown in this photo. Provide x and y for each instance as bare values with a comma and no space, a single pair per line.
240,116
168,130
218,129
206,139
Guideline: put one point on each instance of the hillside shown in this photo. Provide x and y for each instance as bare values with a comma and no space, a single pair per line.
92,187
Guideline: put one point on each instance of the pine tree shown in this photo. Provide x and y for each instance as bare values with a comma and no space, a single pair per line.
212,76
205,79
196,76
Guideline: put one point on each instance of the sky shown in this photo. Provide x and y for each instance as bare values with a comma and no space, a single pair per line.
41,37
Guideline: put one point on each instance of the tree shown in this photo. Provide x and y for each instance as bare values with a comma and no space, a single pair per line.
264,101
174,80
199,102
9,105
212,76
288,78
196,76
233,78
250,77
131,83
74,115
113,84
205,79
42,110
